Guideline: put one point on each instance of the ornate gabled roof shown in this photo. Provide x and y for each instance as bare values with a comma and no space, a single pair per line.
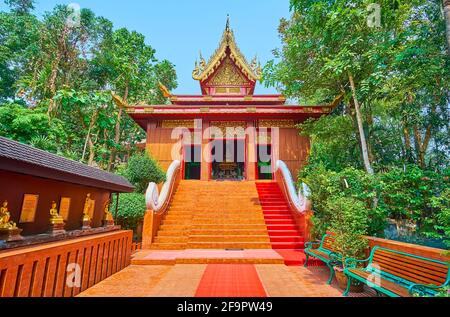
227,47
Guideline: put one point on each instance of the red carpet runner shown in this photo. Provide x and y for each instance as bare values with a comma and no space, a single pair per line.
284,234
230,280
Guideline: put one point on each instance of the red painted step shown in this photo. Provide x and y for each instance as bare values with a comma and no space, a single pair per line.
284,234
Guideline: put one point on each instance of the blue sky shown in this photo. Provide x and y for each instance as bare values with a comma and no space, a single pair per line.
178,29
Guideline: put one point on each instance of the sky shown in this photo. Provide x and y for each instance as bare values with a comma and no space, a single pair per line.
179,29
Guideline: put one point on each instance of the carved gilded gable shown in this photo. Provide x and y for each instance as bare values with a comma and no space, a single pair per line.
228,75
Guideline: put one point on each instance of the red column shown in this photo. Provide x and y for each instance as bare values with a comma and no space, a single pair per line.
206,153
250,139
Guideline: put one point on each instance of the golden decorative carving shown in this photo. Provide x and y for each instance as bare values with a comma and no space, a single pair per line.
228,74
171,124
5,217
149,110
264,139
276,124
118,100
204,109
230,129
251,109
221,90
55,218
203,70
164,90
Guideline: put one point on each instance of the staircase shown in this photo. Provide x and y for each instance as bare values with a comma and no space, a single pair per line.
281,225
214,215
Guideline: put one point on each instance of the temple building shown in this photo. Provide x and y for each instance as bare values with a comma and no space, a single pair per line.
264,125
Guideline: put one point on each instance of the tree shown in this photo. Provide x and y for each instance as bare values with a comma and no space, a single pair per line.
18,36
143,169
382,72
129,66
69,69
21,6
446,6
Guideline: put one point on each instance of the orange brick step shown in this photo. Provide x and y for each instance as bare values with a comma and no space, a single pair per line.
213,215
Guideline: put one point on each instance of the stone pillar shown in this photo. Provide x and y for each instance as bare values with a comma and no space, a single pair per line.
206,153
251,159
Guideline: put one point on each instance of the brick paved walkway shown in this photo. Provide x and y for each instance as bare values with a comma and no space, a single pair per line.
182,280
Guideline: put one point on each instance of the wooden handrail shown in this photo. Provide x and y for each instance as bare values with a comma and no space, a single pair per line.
158,203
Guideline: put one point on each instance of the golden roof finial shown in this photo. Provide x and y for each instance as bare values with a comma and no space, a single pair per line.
118,100
227,26
164,90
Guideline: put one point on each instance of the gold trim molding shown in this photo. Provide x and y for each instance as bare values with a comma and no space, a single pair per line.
172,124
276,124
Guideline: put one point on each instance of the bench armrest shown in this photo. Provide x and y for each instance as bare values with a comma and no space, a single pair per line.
336,257
309,245
420,288
351,262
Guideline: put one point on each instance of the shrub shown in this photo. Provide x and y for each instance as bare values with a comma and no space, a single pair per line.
131,210
141,170
328,185
349,222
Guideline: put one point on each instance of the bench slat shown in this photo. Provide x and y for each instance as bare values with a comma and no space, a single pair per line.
420,270
436,266
386,284
406,275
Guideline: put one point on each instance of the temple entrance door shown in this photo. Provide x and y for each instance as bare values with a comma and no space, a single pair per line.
264,167
192,161
228,159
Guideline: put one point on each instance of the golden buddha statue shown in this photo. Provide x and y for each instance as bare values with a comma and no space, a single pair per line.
108,219
108,215
5,217
55,218
87,207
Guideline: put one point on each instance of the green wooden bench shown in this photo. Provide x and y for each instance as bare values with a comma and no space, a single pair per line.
324,253
398,274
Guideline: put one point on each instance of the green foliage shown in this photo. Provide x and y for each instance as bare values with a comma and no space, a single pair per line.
400,71
131,209
327,186
65,73
21,6
143,169
411,193
32,126
349,222
441,227
401,78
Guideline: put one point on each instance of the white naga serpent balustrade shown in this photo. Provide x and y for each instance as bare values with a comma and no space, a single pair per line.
300,200
156,201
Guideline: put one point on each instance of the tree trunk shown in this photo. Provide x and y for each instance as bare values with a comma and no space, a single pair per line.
419,148
89,140
446,4
55,67
362,136
407,137
112,156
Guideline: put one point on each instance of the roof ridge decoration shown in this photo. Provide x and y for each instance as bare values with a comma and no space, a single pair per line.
203,70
